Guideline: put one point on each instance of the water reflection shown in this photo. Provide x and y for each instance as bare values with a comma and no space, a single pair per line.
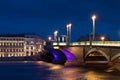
47,71
91,75
78,73
72,74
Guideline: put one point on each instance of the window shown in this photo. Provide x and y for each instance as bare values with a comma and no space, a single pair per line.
22,44
27,47
17,50
31,47
13,44
27,53
10,44
31,53
10,50
14,50
1,50
27,42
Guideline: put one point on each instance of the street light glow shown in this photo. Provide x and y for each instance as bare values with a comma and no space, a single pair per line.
93,24
102,38
49,38
69,25
55,35
93,17
69,32
55,32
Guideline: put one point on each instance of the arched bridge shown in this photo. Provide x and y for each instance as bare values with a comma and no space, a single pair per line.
87,52
89,43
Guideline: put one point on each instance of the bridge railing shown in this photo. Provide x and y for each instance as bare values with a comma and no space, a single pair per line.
59,44
88,43
97,43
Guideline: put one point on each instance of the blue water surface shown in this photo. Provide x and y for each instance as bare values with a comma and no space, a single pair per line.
38,70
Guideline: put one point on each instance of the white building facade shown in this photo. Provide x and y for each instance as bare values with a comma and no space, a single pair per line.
21,45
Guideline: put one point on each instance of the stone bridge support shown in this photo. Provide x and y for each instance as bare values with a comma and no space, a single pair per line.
80,53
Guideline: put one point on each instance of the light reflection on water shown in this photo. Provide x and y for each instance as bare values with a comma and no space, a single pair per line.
78,73
46,71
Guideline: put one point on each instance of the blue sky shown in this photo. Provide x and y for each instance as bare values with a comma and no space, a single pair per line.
45,16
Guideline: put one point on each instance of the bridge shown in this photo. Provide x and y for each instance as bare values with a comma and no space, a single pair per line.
88,43
95,52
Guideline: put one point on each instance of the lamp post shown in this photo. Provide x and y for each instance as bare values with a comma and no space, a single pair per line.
55,35
93,24
69,33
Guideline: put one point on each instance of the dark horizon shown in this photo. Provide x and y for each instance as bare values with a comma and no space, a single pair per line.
45,16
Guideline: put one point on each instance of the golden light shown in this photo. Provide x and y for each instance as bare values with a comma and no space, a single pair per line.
102,38
55,32
55,67
56,47
69,25
49,38
93,17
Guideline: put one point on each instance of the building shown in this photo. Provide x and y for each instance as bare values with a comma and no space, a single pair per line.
20,45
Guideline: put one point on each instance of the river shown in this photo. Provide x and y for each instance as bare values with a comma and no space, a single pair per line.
38,70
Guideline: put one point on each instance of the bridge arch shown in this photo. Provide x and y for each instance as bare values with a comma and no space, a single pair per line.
69,55
99,51
74,55
115,57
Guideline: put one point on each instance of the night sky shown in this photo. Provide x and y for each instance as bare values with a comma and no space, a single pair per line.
45,16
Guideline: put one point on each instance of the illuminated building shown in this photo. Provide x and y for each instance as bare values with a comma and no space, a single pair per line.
19,45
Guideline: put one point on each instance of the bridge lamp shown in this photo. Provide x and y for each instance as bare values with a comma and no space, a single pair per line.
69,32
93,24
102,38
55,35
49,38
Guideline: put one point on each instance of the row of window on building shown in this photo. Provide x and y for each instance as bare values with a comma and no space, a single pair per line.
29,47
11,50
13,55
11,44
11,39
17,54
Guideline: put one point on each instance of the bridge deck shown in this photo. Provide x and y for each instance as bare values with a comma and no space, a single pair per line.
93,43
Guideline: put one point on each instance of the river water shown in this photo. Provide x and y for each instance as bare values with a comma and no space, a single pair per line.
39,70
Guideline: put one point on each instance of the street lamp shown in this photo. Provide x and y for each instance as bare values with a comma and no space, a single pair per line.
55,35
69,32
93,24
49,38
102,38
